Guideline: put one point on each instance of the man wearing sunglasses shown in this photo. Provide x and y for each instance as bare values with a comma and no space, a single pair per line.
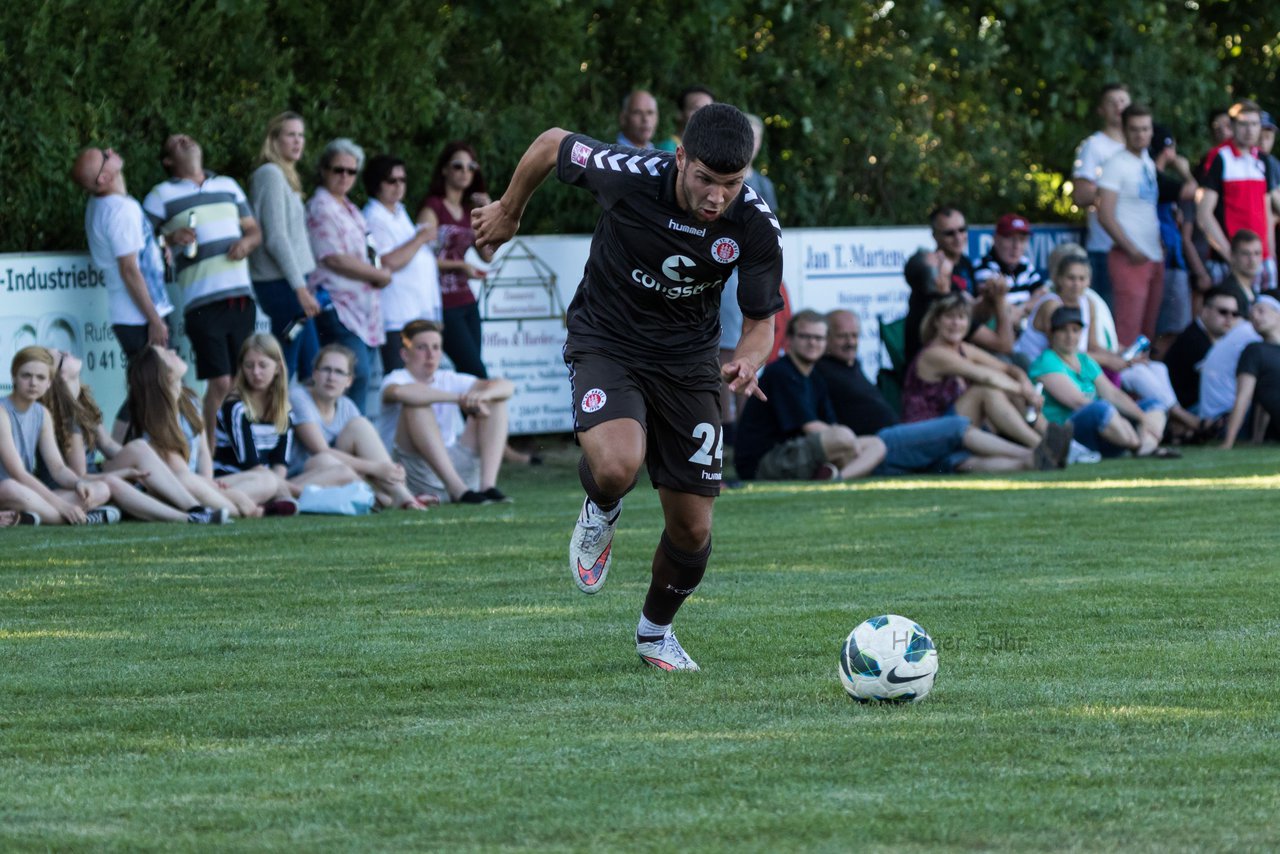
644,332
206,220
1220,312
124,248
931,274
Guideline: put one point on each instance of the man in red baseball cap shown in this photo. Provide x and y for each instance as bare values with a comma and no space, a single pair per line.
1008,265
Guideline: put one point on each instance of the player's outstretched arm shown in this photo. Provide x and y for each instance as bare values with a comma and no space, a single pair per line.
498,222
753,348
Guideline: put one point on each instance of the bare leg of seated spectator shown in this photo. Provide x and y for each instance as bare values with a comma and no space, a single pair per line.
418,433
360,439
158,479
215,391
210,492
855,456
983,405
138,504
259,484
993,453
1121,433
322,470
486,434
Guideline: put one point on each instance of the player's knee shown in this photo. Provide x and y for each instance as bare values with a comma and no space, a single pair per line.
615,476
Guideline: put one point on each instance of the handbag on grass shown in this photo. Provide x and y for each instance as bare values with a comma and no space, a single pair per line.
353,499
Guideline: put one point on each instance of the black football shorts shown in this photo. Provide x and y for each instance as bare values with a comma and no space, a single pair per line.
679,406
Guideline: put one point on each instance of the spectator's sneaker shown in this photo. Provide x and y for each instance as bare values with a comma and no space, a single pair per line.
591,549
28,518
104,515
826,471
493,495
1080,455
471,497
209,516
280,507
665,654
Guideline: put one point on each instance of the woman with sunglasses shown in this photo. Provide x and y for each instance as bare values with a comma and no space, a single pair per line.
349,274
414,292
279,266
458,186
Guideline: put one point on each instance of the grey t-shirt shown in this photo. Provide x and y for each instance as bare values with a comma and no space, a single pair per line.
305,412
25,427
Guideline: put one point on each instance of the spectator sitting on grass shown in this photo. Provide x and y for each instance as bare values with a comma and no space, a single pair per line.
256,430
166,414
26,433
1078,393
1258,373
1220,312
792,433
327,421
77,422
950,377
944,444
422,422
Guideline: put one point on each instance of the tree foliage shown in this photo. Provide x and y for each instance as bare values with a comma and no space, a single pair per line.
875,110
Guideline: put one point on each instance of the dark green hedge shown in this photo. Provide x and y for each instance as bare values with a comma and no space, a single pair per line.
875,110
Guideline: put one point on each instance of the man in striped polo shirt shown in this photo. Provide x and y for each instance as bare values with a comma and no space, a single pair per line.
206,221
1240,191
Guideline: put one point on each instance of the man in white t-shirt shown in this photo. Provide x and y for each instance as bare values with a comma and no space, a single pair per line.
124,248
422,422
1092,153
1127,198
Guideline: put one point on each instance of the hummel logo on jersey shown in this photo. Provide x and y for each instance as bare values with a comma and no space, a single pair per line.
672,266
625,161
581,153
687,229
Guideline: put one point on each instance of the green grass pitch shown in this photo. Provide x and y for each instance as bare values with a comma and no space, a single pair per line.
1108,674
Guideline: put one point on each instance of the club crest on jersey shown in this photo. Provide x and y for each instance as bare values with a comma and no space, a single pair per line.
580,154
725,250
594,400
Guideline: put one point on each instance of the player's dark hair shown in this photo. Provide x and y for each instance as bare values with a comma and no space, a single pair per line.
719,136
808,315
377,171
414,328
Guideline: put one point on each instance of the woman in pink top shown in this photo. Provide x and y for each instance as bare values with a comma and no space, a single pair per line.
458,186
347,276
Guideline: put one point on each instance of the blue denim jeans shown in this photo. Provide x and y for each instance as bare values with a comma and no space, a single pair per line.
934,446
331,331
278,301
1090,420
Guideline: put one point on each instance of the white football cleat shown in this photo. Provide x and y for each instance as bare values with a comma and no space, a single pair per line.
665,654
591,549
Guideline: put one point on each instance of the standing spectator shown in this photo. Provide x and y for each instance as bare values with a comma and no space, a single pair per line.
688,102
123,246
1258,374
1176,211
1220,312
414,292
347,280
457,187
206,219
1126,202
638,120
1239,191
1092,153
279,267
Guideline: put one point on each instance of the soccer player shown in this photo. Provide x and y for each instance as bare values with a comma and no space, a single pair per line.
643,336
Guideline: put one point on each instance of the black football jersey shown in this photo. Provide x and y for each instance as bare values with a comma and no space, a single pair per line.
651,288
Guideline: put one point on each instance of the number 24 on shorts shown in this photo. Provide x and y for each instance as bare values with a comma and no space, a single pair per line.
710,438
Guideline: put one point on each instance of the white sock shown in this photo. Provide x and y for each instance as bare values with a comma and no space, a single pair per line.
647,629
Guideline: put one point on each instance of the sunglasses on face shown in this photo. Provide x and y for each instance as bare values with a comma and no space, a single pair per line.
1226,312
343,170
400,179
459,166
952,232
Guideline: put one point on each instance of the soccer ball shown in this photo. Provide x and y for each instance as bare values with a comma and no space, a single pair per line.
888,658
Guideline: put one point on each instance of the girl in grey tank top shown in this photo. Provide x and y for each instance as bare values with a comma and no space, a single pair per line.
25,427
